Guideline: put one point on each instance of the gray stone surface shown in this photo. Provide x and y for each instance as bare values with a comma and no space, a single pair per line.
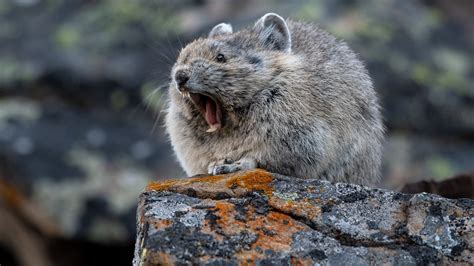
257,217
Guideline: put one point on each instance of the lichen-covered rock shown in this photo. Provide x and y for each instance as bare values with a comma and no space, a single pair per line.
256,217
82,170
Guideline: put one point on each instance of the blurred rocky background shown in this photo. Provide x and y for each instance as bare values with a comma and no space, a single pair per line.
81,129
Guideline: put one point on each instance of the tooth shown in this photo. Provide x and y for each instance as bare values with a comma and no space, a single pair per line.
212,128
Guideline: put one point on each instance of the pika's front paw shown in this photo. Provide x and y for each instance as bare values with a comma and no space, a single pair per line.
226,166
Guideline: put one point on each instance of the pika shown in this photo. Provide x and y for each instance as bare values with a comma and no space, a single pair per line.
281,95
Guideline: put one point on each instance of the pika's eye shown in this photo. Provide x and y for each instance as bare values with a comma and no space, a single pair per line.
220,58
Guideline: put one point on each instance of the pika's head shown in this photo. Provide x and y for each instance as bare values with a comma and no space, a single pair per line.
220,76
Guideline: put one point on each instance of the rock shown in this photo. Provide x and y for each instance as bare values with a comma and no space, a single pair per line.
419,62
409,158
258,218
459,186
81,169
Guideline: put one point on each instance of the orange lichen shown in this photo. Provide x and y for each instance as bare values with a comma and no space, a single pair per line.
10,194
160,258
162,223
226,213
301,262
300,208
274,230
161,186
256,180
166,185
207,179
283,227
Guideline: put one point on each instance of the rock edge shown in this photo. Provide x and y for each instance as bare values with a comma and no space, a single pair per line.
257,217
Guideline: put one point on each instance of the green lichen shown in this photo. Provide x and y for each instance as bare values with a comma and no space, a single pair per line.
451,60
22,110
4,7
67,36
422,73
107,24
311,11
286,196
399,63
376,30
348,25
119,181
12,69
448,71
440,168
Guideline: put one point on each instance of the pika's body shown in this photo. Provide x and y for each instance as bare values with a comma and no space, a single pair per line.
281,95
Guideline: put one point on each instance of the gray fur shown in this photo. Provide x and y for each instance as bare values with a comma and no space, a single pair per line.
274,32
220,29
309,112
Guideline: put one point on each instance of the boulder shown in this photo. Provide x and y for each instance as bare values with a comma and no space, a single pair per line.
257,217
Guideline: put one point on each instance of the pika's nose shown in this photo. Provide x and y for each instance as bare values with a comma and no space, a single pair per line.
181,79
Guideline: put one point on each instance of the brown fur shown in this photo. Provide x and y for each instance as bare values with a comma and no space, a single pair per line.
297,102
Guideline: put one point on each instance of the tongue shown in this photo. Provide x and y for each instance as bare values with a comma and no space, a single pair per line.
212,116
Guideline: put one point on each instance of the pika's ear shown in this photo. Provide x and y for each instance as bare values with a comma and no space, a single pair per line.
274,32
221,29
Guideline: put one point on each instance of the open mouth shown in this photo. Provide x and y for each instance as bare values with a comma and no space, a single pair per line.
211,110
